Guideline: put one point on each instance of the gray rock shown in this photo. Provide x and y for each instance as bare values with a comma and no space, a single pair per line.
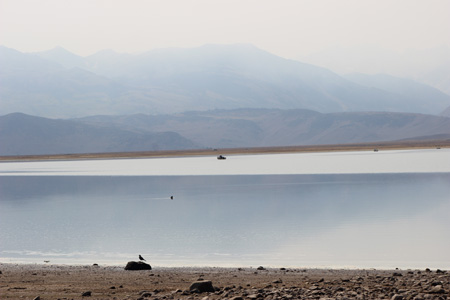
437,290
277,281
145,293
202,287
137,265
435,283
419,297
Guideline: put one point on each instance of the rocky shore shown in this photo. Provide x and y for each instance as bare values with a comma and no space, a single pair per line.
106,282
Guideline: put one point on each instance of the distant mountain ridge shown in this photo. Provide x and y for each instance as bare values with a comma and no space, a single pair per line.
63,57
430,66
23,134
446,112
57,83
416,92
275,127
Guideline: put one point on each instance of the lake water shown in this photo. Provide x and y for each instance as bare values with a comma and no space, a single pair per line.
86,212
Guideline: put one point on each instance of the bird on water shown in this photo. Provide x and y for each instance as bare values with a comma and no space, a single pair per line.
141,258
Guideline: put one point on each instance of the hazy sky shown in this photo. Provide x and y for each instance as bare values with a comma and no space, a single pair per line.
289,28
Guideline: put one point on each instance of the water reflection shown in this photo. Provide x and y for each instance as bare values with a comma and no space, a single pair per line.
297,220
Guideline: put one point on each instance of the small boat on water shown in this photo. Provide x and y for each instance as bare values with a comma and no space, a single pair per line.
221,157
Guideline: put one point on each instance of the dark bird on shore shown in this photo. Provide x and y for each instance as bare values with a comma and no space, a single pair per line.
141,258
171,197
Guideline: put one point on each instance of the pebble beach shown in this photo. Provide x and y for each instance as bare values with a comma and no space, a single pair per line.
45,281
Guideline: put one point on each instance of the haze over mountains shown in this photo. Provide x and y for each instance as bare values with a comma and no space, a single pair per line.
274,127
57,83
430,66
213,96
22,134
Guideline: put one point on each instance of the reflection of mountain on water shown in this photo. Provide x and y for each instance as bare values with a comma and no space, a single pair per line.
241,215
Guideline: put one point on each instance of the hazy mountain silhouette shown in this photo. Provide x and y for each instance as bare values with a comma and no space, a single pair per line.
31,84
63,57
58,83
23,134
274,127
429,66
416,93
446,112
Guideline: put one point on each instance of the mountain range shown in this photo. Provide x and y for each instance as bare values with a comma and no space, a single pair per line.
57,83
214,96
428,65
22,134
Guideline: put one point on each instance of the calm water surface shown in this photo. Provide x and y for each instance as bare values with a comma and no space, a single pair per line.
363,220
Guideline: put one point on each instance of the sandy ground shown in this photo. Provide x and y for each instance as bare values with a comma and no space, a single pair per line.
106,282
233,151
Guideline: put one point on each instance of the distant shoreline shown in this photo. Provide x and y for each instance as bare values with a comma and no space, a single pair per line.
236,151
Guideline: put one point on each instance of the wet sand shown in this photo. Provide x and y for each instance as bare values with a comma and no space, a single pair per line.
106,282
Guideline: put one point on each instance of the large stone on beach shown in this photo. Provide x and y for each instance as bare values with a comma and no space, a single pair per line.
137,266
202,287
437,290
